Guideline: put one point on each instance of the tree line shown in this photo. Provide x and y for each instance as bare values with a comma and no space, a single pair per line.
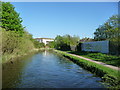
64,42
108,31
15,39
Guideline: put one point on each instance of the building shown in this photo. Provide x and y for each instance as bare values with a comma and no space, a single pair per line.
44,40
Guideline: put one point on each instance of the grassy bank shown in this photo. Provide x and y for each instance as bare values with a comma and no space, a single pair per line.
108,59
108,75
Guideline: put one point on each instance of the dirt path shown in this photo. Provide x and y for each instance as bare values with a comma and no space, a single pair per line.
104,64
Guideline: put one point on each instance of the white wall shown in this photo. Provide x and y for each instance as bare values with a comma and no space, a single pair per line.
46,40
96,46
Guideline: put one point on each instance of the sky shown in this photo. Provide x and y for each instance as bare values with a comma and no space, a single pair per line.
49,19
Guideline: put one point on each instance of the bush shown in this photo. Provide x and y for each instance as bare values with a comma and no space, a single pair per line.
51,44
15,40
13,44
37,44
78,47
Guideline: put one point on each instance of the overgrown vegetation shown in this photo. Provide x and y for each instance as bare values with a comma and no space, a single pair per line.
13,45
37,44
108,75
15,40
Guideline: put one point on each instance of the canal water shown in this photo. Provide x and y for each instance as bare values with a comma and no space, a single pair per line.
47,70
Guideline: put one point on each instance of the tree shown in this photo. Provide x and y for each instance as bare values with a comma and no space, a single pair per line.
10,18
71,40
65,42
37,44
59,41
86,39
51,44
110,30
15,40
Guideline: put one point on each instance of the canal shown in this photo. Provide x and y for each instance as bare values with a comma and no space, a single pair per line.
47,70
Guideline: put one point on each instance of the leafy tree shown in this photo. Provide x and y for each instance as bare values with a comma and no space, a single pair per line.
58,42
37,44
71,40
110,31
65,42
51,44
10,18
15,40
74,40
86,39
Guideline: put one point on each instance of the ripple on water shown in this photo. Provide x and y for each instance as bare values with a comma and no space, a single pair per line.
47,70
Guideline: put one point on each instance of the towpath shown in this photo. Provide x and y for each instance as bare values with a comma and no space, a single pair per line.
104,64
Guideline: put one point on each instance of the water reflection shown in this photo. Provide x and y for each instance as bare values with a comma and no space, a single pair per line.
45,53
47,70
12,72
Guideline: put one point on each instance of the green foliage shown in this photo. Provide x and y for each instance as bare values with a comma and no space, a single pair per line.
15,40
51,44
110,31
65,42
108,59
108,75
10,18
14,45
37,44
78,47
86,39
71,40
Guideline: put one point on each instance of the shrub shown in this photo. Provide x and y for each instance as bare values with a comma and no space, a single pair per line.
13,44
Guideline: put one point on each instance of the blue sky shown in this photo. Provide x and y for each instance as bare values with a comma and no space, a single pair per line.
48,19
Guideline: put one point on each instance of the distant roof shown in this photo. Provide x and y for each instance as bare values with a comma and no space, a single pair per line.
45,38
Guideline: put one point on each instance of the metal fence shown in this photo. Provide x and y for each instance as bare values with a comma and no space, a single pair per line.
96,46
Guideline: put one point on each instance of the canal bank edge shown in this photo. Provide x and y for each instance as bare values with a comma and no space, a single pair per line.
108,75
12,57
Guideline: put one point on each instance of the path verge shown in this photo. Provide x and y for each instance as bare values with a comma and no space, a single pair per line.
108,74
104,64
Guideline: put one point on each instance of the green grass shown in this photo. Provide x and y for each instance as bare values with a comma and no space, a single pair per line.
108,75
108,59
